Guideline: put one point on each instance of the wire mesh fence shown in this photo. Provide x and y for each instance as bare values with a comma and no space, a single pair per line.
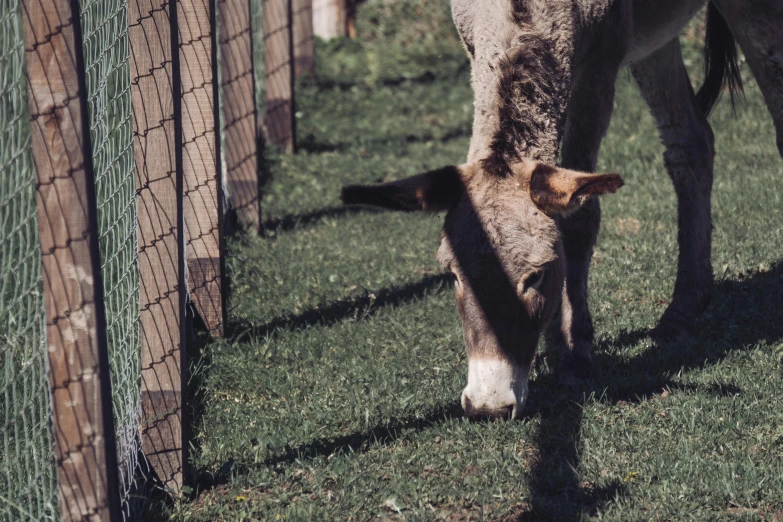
278,70
238,109
107,68
86,147
28,483
28,488
84,448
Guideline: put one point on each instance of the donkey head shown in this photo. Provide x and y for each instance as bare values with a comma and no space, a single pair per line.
501,241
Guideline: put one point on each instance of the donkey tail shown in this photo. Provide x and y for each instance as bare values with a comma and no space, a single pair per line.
721,64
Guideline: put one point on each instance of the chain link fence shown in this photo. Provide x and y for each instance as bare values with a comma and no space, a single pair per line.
28,483
107,66
28,488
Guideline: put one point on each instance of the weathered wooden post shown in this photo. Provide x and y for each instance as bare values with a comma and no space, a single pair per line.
330,18
239,110
202,179
161,251
279,69
85,445
304,53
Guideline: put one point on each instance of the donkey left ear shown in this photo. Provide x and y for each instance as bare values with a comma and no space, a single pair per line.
558,191
432,191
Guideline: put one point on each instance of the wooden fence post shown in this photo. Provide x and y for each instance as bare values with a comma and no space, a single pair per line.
279,70
239,110
304,59
330,18
85,444
202,195
161,277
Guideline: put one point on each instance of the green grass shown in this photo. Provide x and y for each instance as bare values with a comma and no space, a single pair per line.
335,396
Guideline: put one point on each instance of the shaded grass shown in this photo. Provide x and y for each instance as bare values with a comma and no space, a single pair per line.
335,396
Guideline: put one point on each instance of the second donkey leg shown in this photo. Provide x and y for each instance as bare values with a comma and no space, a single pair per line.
688,139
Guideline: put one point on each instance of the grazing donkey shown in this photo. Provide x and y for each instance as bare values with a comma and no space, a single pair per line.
519,232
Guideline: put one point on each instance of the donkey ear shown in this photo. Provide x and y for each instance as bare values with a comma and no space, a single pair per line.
562,191
432,191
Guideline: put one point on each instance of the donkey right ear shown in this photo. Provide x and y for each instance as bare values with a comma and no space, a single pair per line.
432,191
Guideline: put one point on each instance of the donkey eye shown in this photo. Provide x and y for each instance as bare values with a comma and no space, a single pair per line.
532,281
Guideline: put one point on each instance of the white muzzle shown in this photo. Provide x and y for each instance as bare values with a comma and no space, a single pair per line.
496,388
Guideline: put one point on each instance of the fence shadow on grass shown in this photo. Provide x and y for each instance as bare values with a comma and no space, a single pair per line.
378,435
289,222
747,308
359,307
358,442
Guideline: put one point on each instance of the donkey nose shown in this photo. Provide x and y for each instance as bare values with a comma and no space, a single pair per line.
492,411
495,389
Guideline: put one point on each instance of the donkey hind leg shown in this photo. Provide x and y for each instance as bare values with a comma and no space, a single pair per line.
589,112
688,140
756,25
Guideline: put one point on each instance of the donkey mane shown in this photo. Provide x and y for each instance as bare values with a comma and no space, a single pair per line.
528,102
532,86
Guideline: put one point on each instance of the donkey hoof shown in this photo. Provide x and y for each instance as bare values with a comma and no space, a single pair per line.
670,329
575,369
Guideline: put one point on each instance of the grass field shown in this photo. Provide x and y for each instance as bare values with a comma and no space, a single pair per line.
335,396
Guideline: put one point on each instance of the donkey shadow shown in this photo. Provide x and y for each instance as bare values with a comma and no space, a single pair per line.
744,312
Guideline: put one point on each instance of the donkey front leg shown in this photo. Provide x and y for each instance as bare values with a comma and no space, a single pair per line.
688,139
589,112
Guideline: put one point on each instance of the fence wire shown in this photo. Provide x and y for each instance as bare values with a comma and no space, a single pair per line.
28,488
107,68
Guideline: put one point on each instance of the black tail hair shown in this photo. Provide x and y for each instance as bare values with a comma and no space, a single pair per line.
721,64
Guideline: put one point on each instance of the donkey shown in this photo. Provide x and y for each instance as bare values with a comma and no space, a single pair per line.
519,231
